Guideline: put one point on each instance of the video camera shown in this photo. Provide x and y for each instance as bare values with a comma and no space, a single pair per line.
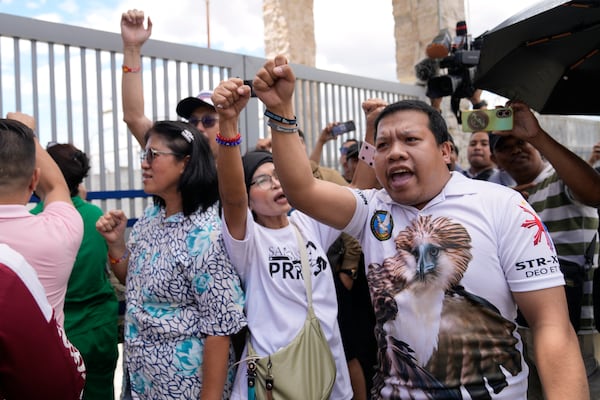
459,57
458,81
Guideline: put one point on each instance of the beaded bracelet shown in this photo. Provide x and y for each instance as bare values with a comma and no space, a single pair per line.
366,154
234,141
280,128
114,261
127,69
281,119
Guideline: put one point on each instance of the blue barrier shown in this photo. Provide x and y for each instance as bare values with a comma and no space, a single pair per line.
109,195
118,194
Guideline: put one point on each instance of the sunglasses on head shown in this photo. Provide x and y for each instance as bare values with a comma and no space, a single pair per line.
208,121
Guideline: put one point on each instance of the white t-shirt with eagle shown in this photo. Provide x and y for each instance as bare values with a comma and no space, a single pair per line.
441,280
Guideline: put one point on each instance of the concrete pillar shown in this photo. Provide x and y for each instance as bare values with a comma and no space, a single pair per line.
290,30
416,24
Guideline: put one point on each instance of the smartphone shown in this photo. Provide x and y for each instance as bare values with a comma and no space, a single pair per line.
496,119
249,83
343,127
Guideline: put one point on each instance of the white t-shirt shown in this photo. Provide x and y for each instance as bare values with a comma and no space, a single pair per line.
268,262
479,235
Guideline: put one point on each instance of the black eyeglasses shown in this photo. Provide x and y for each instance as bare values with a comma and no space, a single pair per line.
150,154
265,182
208,121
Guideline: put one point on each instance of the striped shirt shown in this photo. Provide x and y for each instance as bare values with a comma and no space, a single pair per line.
572,227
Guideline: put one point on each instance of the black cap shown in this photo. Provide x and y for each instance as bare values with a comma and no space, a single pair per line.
186,107
353,150
251,161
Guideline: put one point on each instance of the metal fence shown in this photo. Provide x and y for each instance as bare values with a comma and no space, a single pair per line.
69,79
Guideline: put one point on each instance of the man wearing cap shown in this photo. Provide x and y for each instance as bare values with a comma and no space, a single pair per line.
349,159
198,110
348,165
564,191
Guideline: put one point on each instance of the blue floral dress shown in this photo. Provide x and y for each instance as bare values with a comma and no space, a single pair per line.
181,287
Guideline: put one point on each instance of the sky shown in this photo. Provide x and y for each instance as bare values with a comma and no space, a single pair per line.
236,25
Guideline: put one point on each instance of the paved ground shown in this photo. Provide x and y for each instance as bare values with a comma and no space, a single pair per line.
119,373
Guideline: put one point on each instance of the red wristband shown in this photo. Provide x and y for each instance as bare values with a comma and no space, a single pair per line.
223,139
127,69
114,261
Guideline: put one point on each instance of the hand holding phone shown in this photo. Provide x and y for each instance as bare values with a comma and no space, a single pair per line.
496,119
343,127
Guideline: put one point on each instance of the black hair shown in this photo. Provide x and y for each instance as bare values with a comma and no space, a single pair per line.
198,183
251,161
17,153
73,163
437,125
454,147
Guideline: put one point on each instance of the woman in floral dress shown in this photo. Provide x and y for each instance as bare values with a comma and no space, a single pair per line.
184,299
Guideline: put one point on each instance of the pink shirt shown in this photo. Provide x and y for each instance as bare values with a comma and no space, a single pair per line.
48,241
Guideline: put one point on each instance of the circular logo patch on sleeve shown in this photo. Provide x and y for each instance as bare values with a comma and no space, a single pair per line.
382,225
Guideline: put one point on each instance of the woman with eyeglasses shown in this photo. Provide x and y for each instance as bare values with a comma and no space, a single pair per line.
261,241
184,299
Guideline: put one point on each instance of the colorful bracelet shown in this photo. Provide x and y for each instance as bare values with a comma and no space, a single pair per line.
114,261
127,69
281,119
234,141
367,153
280,128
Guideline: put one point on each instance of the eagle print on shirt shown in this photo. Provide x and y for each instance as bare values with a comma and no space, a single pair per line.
433,336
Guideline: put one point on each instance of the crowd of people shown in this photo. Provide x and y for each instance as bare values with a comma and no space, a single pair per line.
427,281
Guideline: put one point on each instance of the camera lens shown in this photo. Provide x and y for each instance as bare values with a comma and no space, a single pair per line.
504,113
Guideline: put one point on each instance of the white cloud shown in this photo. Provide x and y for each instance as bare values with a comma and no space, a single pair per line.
32,5
484,15
356,39
351,37
69,6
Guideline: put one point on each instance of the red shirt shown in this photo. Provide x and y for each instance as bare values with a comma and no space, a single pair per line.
36,359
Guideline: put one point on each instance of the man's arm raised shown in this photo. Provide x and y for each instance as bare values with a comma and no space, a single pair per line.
325,201
51,185
364,175
576,173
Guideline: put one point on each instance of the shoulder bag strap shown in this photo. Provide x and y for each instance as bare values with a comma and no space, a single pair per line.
305,266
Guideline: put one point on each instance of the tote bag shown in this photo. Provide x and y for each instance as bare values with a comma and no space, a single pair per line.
302,370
